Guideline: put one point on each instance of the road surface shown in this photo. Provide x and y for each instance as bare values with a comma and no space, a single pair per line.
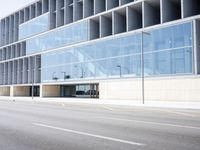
42,126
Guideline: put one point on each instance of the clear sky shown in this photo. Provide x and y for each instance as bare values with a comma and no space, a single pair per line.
9,6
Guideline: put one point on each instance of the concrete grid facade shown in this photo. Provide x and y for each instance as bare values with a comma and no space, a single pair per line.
102,49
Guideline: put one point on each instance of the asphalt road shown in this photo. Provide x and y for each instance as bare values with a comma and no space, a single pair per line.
39,126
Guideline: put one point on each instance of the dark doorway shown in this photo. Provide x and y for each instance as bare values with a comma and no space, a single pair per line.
80,91
36,91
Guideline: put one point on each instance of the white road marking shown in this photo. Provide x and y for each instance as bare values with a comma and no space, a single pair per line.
108,108
153,123
173,112
89,134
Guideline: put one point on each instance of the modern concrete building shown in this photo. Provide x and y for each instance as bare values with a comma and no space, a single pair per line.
107,49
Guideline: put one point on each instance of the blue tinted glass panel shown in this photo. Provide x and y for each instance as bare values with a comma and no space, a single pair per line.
68,35
169,37
131,65
177,61
33,27
122,55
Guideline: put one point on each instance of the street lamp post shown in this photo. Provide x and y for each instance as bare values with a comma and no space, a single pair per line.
82,70
120,70
142,64
32,84
64,75
33,74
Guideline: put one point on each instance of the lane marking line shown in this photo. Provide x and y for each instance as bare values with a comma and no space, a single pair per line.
89,134
108,108
154,123
174,112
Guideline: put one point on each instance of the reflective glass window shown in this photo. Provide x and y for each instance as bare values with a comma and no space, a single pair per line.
177,61
168,37
68,35
34,26
120,57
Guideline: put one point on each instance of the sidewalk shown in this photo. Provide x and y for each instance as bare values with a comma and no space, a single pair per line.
164,104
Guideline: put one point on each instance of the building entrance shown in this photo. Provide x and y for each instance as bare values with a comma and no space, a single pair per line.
80,91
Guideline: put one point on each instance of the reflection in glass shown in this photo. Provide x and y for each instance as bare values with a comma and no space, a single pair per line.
34,26
60,37
121,57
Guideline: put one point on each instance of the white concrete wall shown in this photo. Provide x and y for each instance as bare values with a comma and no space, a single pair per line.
178,90
175,89
122,90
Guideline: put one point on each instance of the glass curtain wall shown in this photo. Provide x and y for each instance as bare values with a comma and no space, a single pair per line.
105,59
60,37
34,26
167,51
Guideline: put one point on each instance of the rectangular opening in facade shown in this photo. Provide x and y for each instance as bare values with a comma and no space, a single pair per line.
1,74
171,10
78,10
16,25
99,6
0,54
78,91
18,50
120,21
35,92
88,8
69,6
53,20
134,14
32,11
27,14
37,69
7,30
10,68
39,8
52,6
8,52
14,81
151,12
4,54
25,70
23,48
191,8
19,71
3,32
112,4
11,28
30,69
13,51
21,16
60,13
106,26
45,6
94,28
6,73
123,2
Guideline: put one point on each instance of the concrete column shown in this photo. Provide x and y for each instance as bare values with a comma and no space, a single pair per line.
11,91
41,91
